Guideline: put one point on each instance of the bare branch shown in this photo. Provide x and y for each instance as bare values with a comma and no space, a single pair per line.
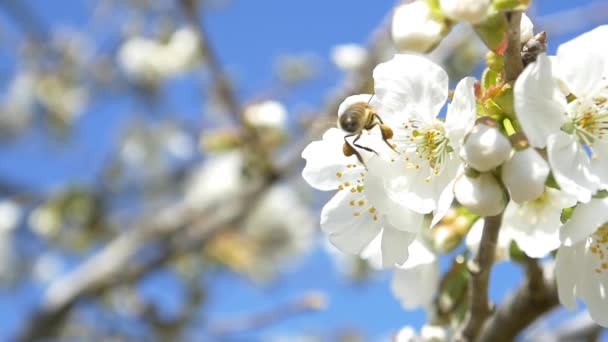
479,268
513,62
313,301
534,298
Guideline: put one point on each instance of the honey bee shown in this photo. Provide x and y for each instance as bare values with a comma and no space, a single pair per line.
356,118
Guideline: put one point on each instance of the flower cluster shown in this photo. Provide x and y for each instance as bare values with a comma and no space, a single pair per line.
397,165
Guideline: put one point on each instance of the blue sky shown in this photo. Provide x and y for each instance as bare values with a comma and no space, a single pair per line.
248,37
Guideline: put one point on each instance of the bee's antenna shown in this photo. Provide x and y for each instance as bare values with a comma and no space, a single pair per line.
370,99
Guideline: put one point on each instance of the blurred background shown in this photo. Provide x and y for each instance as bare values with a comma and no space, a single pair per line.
150,183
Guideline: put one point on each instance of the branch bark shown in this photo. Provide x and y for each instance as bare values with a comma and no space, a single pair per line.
479,268
534,298
513,63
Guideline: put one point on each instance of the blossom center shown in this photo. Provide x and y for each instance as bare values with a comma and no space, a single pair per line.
429,143
588,119
357,200
598,245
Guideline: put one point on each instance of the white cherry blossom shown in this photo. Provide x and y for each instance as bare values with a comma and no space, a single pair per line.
360,210
569,128
349,57
414,27
581,265
535,224
411,90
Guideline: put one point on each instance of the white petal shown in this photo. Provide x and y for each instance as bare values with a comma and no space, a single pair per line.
571,167
600,162
567,271
413,27
395,245
462,112
349,232
526,29
585,220
593,290
397,214
444,203
583,62
415,283
410,85
471,11
539,104
525,175
535,225
326,164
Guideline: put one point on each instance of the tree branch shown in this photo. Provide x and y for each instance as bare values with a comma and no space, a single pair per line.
534,298
313,301
513,63
479,269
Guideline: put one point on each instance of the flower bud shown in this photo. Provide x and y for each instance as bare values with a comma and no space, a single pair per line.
414,28
482,195
526,29
525,175
485,148
471,11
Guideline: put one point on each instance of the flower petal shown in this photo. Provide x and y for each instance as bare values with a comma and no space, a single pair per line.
535,225
349,227
539,104
398,215
600,162
462,112
567,271
326,164
583,62
410,85
415,283
395,245
571,166
585,220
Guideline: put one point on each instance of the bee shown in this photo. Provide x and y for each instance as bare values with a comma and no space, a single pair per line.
356,118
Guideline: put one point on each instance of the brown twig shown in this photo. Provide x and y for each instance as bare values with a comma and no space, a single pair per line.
513,62
479,268
534,298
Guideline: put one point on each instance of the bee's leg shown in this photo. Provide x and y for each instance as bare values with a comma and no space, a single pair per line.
378,118
387,133
363,147
348,150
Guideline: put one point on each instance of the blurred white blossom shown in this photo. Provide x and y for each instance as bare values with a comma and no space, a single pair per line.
147,60
266,114
471,11
349,57
415,28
